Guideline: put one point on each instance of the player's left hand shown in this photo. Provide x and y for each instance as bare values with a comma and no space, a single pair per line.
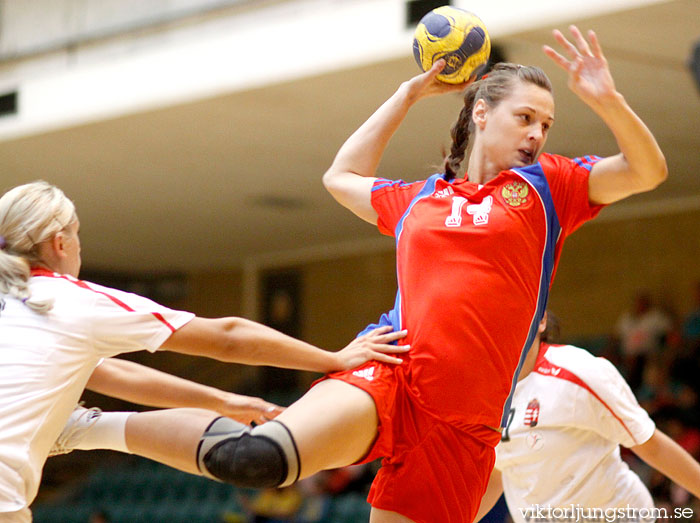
247,409
589,74
375,345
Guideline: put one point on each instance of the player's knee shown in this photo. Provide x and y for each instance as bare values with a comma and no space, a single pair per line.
262,457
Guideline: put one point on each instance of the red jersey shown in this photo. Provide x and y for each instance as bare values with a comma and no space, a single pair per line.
475,264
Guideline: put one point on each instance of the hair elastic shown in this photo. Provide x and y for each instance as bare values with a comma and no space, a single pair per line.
3,243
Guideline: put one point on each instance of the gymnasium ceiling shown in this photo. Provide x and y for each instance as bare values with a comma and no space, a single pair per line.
236,178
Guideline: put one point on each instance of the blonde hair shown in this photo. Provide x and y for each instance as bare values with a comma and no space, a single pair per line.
29,215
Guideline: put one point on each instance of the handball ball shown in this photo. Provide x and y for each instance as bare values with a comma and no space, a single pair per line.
456,35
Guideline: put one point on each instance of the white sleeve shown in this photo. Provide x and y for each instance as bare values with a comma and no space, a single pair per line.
613,411
124,322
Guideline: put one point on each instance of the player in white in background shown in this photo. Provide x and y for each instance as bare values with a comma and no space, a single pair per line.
56,328
561,448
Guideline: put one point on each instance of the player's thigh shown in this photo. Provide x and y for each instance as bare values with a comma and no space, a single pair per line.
378,515
334,424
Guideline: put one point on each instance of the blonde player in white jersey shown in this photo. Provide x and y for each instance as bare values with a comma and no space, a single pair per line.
559,457
56,328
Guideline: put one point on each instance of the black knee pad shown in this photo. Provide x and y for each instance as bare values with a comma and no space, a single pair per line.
263,457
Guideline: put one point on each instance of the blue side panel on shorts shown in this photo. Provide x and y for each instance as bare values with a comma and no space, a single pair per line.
535,177
393,317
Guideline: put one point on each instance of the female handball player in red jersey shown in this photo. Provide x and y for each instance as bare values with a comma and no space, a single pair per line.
475,259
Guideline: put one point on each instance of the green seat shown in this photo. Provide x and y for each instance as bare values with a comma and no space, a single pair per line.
349,508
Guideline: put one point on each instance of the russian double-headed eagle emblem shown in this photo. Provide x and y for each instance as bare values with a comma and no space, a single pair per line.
515,193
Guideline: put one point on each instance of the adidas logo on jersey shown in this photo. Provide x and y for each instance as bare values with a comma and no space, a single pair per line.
367,373
443,193
481,211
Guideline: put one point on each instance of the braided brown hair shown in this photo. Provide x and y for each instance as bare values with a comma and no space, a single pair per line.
492,89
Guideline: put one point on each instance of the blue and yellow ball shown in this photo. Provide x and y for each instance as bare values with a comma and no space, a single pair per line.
458,36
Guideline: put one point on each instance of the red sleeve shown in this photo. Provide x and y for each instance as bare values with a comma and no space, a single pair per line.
391,199
568,182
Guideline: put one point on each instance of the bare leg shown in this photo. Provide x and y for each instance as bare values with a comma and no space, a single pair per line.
384,516
333,424
169,436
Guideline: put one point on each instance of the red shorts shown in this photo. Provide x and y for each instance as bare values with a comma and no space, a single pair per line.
431,471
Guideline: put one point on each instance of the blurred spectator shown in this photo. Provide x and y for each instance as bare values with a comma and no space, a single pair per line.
319,489
317,502
641,331
656,391
687,403
99,516
691,323
643,328
274,505
354,478
671,420
673,423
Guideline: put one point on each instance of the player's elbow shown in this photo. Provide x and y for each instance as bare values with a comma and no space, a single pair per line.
654,175
335,182
330,180
661,173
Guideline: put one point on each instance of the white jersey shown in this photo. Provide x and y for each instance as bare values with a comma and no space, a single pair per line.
46,360
561,446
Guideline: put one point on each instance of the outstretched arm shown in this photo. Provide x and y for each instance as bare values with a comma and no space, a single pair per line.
669,458
143,385
238,340
640,166
351,175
